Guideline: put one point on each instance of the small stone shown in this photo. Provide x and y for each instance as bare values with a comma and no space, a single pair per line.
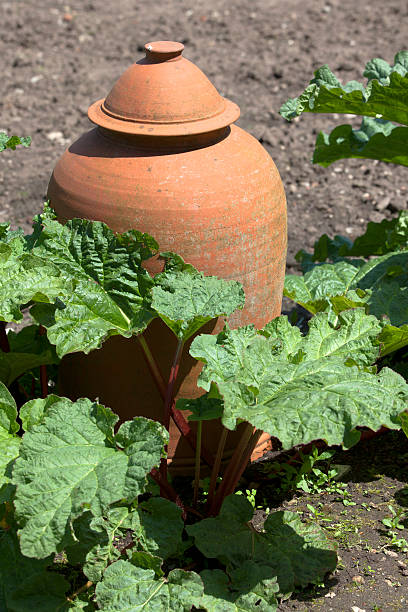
36,78
401,563
365,196
383,203
358,579
357,609
391,553
330,594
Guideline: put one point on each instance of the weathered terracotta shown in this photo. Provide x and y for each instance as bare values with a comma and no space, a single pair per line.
166,159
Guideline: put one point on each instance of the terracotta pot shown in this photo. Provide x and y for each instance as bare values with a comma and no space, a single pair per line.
166,159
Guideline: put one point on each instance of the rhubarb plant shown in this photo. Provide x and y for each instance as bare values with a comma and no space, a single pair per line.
81,523
381,103
75,485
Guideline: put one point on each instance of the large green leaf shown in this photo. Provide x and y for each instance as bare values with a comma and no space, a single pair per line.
126,587
72,462
28,349
94,541
185,299
110,286
295,554
375,139
25,584
380,285
393,338
313,290
160,528
385,96
378,239
310,393
245,590
25,277
9,441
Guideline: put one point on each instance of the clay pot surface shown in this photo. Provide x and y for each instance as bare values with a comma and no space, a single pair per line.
166,160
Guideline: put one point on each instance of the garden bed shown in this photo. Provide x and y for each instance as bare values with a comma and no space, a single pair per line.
371,574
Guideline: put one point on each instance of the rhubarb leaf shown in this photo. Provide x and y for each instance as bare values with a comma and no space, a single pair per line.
71,462
9,441
393,338
185,299
201,408
25,584
110,287
378,239
384,97
313,290
375,139
126,587
94,541
310,393
28,349
245,591
293,553
161,528
25,277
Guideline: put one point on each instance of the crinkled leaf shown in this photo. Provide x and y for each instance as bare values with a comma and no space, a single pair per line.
9,441
393,338
145,560
354,336
202,409
185,299
161,528
375,139
70,462
126,587
25,584
247,591
94,541
381,285
11,142
312,291
28,349
25,277
34,411
378,239
295,554
310,393
223,353
385,96
110,286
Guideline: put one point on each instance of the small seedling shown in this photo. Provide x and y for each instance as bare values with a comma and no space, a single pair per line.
392,523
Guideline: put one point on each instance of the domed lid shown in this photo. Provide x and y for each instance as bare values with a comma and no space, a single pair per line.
163,94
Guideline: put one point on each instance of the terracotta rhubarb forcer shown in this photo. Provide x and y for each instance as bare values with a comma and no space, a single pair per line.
165,158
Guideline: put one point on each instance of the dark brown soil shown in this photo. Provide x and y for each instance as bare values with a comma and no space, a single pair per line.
58,57
371,574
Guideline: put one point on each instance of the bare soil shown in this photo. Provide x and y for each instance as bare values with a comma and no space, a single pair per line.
57,57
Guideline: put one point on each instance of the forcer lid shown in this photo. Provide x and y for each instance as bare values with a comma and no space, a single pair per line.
163,94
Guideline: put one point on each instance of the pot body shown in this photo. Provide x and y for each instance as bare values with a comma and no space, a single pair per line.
217,200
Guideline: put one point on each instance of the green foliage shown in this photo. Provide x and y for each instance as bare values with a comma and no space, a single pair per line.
74,483
185,299
28,349
67,463
381,102
11,142
281,549
320,388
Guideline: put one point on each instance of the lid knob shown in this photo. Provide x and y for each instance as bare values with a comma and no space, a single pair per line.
163,50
